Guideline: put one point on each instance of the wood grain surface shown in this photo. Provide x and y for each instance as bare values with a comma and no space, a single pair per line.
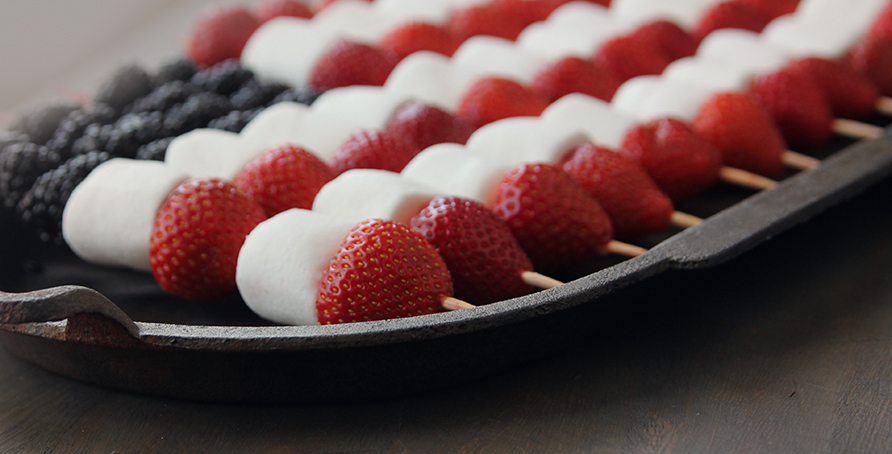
787,349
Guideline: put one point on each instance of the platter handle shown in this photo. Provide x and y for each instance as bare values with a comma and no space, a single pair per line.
91,317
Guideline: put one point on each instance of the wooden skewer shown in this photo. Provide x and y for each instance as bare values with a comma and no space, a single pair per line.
539,280
453,304
684,220
799,160
856,129
744,178
884,105
629,250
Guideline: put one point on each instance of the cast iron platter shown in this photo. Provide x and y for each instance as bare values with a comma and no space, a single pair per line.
118,329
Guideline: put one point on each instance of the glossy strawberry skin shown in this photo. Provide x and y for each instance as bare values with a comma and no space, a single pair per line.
493,98
383,270
270,9
197,235
373,149
731,14
284,177
427,125
632,200
872,58
681,162
851,94
771,8
417,36
220,34
489,20
483,257
575,75
798,106
743,131
553,218
346,63
631,56
674,41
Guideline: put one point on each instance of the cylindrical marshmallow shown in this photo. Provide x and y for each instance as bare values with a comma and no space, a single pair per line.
209,153
288,122
715,75
497,57
109,217
427,77
519,140
455,171
361,194
604,125
364,106
632,93
742,49
282,261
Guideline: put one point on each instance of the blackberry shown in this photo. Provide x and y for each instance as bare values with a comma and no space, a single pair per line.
255,94
94,139
128,84
73,126
234,121
41,124
155,150
299,95
21,163
182,70
133,131
42,205
164,97
196,112
223,78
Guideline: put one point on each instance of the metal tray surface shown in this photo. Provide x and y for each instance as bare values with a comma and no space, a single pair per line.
117,329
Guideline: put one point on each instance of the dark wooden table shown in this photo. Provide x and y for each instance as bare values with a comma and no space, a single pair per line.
785,349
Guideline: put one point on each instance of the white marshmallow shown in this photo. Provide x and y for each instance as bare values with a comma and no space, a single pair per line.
575,29
286,49
361,194
604,125
283,260
497,57
632,94
455,171
520,140
109,217
685,13
742,49
288,122
356,20
206,153
710,74
810,39
427,77
365,106
681,100
845,15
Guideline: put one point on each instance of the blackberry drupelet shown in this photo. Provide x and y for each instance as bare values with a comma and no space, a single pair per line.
223,78
303,95
163,97
94,139
127,85
155,150
133,131
256,94
196,112
21,163
42,205
234,121
41,124
74,125
182,70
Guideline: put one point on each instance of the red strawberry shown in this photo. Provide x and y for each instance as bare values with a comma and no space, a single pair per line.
384,270
575,75
326,3
371,149
484,258
851,94
731,14
680,161
484,20
348,63
882,25
872,58
798,106
529,11
417,36
633,201
631,56
284,177
771,8
492,98
673,40
269,9
197,236
743,131
427,125
220,34
553,218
